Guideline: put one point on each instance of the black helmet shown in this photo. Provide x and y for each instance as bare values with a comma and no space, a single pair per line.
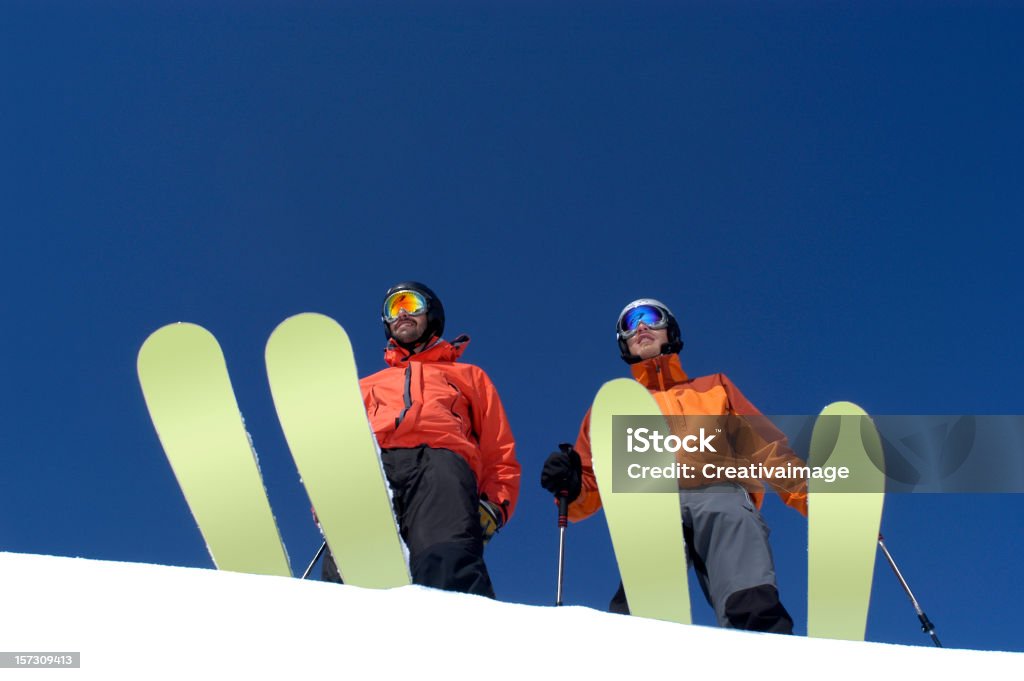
435,310
675,342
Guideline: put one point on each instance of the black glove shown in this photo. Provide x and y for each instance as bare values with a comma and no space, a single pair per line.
563,472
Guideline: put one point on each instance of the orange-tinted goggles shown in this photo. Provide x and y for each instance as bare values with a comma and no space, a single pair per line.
410,302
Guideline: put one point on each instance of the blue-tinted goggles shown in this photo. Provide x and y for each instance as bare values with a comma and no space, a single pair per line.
651,316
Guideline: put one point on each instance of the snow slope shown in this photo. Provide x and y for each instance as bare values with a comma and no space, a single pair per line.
148,621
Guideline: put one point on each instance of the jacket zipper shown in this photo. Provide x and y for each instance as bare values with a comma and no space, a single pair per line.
661,384
407,396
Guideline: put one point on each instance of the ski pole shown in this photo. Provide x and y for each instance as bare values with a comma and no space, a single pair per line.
315,559
926,624
563,521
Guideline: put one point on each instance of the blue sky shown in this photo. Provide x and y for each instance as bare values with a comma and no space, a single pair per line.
828,197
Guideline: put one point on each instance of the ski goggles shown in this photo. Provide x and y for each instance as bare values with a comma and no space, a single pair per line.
651,316
410,302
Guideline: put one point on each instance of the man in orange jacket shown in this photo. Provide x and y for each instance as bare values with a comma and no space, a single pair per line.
445,442
726,538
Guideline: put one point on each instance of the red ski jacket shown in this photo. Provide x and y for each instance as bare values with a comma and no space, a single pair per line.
429,399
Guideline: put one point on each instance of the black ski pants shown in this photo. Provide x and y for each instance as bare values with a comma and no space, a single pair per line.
436,502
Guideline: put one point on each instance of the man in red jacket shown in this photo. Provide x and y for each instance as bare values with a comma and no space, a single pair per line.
446,445
726,539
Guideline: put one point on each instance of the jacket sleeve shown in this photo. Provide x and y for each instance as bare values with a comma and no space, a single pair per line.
589,500
500,471
763,443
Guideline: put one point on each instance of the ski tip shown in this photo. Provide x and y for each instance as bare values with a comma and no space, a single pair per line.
178,328
307,315
307,322
827,437
171,336
620,384
302,338
618,389
843,409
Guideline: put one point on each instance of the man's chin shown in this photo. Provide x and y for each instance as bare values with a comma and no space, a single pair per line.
648,351
405,337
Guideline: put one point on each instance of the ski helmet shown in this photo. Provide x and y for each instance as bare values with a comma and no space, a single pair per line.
668,321
435,310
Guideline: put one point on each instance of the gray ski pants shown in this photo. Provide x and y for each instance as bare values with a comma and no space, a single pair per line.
729,547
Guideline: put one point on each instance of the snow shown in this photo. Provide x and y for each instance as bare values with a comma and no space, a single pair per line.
132,620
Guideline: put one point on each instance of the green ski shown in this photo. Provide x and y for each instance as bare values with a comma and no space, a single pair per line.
646,527
188,393
843,522
315,387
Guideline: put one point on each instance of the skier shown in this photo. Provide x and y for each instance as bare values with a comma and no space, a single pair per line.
726,538
446,446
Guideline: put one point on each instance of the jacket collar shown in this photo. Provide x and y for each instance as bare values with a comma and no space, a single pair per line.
438,350
659,373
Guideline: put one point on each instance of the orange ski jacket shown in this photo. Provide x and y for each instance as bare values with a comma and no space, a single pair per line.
715,395
429,399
